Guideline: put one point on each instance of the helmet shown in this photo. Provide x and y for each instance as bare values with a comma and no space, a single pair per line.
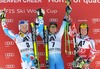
23,22
83,25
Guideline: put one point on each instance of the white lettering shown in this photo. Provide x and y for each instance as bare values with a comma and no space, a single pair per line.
10,1
31,10
51,11
91,1
76,1
10,11
56,1
32,1
19,1
20,10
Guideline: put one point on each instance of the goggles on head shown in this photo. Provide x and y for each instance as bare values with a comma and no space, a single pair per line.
53,26
23,22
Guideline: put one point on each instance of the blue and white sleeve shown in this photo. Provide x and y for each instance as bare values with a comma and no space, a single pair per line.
6,30
39,28
61,31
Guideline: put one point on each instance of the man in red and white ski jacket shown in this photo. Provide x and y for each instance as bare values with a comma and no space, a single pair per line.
86,46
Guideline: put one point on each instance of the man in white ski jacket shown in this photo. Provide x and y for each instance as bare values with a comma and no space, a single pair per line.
23,39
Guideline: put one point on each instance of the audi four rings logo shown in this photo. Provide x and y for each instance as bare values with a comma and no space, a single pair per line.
95,20
97,63
97,41
9,20
69,64
39,42
42,65
41,53
96,30
9,66
53,20
9,54
98,52
2,68
9,43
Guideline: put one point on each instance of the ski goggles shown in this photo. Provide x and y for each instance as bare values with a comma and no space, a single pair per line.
53,26
23,22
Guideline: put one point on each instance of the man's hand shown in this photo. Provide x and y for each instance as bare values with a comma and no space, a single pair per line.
40,12
68,10
68,2
47,64
36,63
2,14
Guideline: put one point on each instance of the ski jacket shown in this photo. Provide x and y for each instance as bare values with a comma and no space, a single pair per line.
55,40
24,44
86,45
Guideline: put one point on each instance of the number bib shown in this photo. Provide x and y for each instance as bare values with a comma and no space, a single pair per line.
25,47
54,44
24,44
84,47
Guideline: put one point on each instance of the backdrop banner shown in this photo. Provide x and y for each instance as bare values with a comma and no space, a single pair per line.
82,10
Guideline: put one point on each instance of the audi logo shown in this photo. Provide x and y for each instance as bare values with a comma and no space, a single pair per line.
97,62
42,65
95,20
10,66
69,64
97,41
9,20
39,42
41,53
53,20
96,30
9,43
9,54
2,68
69,67
70,52
98,52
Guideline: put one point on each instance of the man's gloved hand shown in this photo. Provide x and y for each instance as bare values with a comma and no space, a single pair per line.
2,14
68,10
67,18
40,12
36,63
68,2
47,65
